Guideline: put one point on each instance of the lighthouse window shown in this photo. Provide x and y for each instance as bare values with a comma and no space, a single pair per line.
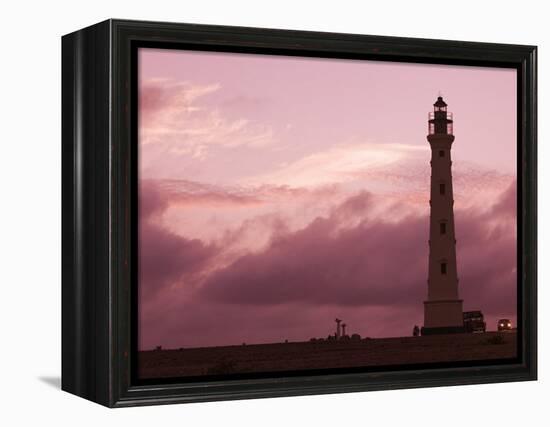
442,228
443,268
441,153
441,188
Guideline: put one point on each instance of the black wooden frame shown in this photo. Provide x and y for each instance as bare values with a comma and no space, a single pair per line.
99,208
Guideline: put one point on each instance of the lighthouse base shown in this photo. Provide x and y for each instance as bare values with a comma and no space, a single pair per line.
444,330
443,317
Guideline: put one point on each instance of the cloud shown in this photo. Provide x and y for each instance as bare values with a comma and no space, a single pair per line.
237,219
399,171
340,163
374,263
346,263
324,263
487,242
506,205
176,118
180,192
166,99
165,258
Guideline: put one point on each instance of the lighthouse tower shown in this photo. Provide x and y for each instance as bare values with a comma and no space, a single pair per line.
443,308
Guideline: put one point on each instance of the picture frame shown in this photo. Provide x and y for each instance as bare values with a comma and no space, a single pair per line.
100,210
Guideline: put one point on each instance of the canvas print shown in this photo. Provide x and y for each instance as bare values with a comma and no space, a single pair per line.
305,214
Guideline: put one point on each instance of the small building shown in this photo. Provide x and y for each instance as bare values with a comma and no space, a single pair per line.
474,321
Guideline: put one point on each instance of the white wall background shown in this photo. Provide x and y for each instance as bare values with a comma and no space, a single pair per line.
30,161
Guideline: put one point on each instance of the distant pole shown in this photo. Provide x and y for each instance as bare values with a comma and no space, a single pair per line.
344,329
337,327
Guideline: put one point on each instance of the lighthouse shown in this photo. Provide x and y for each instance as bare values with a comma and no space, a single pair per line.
442,308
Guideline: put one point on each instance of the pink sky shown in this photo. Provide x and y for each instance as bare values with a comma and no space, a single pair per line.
277,193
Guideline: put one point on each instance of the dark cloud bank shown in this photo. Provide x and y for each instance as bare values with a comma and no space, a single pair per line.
373,273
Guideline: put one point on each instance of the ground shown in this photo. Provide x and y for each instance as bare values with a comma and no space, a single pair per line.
326,354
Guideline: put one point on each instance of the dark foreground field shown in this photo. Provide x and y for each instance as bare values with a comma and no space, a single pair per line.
319,355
